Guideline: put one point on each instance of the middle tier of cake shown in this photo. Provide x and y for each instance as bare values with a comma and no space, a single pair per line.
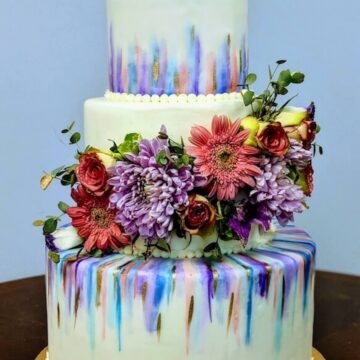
116,115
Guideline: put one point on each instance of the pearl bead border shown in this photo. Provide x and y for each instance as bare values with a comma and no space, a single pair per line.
173,99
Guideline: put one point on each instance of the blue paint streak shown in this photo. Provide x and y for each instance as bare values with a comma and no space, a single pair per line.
307,271
278,322
118,310
91,299
223,69
132,71
170,85
144,75
245,62
119,65
112,76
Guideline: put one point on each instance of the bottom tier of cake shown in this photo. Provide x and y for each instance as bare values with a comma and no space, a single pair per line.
255,306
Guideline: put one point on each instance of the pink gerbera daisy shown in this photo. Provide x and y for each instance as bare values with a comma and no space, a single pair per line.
222,157
95,222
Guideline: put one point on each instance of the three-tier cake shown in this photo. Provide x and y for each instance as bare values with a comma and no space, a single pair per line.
180,245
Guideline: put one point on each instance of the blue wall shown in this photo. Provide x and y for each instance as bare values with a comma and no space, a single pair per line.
54,57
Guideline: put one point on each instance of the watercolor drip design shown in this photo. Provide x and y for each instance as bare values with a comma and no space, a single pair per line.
222,292
159,71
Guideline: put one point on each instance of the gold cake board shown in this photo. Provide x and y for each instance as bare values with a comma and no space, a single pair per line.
316,355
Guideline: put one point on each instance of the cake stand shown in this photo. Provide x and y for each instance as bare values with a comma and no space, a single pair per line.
316,355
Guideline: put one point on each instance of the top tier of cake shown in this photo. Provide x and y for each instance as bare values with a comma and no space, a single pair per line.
177,46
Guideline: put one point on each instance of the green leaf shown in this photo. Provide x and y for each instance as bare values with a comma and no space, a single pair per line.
66,180
251,78
185,159
282,91
133,137
248,98
285,78
321,150
63,207
75,138
97,253
318,128
162,158
54,257
281,62
38,223
297,78
50,225
114,147
64,131
128,147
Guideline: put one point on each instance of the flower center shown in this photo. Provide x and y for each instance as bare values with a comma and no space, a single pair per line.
101,217
224,157
141,188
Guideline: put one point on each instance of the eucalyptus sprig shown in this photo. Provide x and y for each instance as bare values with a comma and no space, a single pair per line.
74,137
65,174
265,106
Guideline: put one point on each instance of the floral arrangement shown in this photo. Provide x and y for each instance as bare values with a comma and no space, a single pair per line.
233,175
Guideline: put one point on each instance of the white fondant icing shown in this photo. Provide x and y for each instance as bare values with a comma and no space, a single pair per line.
172,46
108,119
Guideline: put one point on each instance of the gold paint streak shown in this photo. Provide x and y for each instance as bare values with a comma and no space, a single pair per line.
248,273
158,327
156,70
173,279
215,280
191,311
98,286
229,40
77,302
144,290
269,272
193,32
231,308
177,82
58,315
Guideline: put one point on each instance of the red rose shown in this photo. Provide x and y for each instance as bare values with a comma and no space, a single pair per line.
274,139
199,216
92,174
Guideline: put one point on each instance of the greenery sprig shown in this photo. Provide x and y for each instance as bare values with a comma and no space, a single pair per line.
265,106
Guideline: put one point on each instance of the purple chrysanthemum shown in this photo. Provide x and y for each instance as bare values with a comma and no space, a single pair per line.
146,194
277,191
298,156
246,215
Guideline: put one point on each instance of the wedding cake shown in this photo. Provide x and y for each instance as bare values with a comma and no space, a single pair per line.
180,244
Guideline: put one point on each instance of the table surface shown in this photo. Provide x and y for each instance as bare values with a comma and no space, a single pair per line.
336,329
